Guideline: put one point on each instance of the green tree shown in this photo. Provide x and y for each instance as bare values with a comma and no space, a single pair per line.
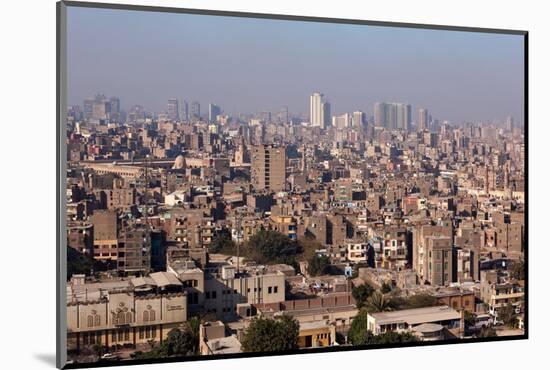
98,350
518,270
392,337
264,334
358,333
80,263
377,302
386,288
268,246
469,319
487,331
421,300
308,247
222,242
508,316
318,265
178,343
361,293
192,327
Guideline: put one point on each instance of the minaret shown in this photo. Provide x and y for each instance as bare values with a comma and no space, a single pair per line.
507,183
303,160
487,180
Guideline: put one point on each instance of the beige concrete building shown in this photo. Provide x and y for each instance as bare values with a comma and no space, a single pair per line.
105,234
407,320
123,312
316,334
213,341
218,288
268,170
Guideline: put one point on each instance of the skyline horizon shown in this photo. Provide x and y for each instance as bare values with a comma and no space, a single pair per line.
258,65
368,113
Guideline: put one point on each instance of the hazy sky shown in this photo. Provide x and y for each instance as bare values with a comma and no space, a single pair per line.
251,65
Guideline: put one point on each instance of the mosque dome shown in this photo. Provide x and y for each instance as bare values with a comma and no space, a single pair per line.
179,163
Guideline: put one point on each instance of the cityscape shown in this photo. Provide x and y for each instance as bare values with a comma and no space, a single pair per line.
196,229
355,229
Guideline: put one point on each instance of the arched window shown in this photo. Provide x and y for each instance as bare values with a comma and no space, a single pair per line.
152,315
97,320
121,318
90,321
145,316
128,317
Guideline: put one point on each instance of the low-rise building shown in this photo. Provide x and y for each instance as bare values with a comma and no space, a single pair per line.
407,320
123,312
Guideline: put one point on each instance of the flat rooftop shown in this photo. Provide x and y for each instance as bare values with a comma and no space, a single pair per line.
224,345
417,315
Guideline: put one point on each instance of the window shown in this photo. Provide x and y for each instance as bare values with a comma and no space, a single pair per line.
275,289
152,315
90,321
269,289
121,318
145,316
214,294
207,295
141,333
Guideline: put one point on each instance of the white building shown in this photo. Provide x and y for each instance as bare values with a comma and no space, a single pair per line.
319,110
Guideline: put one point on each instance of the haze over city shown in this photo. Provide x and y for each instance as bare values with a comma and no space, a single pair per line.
251,65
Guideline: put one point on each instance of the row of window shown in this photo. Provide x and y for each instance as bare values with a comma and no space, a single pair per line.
213,294
148,332
149,315
92,337
323,336
120,335
94,320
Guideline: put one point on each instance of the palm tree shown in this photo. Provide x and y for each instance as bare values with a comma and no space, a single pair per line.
377,302
193,327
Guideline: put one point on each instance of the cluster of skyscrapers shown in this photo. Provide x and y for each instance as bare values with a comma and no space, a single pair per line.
388,115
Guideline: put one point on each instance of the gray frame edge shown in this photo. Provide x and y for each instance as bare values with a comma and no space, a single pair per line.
61,165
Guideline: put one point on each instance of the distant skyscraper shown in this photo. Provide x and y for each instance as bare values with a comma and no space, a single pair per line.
403,116
510,123
264,116
195,110
282,117
173,110
358,119
379,114
101,107
213,112
326,114
88,108
422,119
342,121
319,110
184,110
392,116
115,104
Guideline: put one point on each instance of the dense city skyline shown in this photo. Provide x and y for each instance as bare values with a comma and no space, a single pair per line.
459,76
